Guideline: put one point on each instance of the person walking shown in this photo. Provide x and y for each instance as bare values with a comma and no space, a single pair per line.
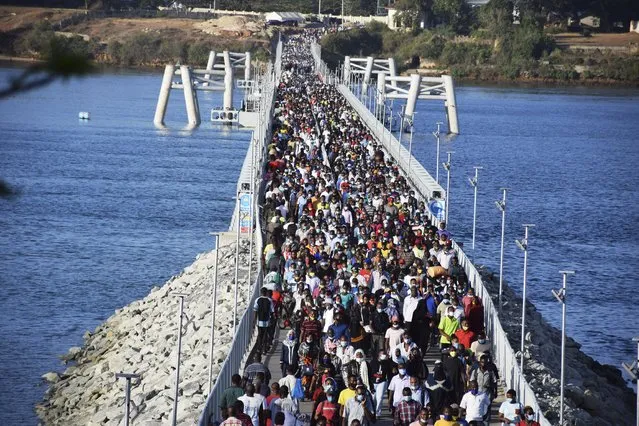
510,411
476,404
407,410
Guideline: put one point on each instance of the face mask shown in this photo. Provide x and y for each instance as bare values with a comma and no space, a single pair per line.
482,341
330,398
451,314
343,291
473,391
465,327
513,400
456,345
407,398
530,416
409,341
359,359
291,338
453,354
413,387
343,343
423,421
395,325
401,371
380,310
446,417
383,357
360,398
309,341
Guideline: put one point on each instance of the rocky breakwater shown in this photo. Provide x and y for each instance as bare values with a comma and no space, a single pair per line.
141,338
596,394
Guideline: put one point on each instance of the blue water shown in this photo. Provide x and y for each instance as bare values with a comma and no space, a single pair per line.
107,209
569,157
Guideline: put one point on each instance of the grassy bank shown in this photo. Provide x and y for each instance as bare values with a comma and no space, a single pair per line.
525,53
136,47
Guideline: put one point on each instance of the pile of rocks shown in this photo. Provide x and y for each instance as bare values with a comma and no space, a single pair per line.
141,338
595,393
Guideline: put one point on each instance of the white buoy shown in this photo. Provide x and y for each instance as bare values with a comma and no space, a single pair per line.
83,115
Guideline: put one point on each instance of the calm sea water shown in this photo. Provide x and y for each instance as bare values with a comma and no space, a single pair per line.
107,209
111,207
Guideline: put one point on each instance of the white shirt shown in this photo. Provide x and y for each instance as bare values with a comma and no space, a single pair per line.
410,303
397,385
288,381
252,406
476,406
394,336
508,408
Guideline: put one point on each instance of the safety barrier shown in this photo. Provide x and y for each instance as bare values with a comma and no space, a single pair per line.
246,334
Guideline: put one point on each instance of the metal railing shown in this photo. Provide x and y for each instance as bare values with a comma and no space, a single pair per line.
503,353
246,334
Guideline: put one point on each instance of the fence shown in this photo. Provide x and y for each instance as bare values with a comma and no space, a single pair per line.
503,353
246,333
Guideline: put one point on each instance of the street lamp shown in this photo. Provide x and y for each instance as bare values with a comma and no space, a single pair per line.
437,134
474,182
177,360
447,166
127,396
561,297
501,205
411,122
401,132
213,309
523,244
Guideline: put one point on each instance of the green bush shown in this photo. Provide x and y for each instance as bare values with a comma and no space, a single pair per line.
465,53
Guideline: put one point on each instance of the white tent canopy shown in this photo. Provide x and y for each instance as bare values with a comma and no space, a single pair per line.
284,17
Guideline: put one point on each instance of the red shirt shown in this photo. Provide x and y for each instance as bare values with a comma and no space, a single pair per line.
270,399
465,337
330,410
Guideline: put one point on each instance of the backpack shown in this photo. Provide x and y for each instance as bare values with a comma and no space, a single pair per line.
298,390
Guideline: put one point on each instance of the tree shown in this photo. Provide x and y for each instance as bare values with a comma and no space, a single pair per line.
455,13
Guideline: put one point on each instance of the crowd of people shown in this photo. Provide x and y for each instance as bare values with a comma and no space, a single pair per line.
360,280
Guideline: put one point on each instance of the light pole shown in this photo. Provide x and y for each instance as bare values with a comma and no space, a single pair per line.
410,142
561,296
447,165
237,259
501,205
401,132
213,309
127,397
177,360
523,244
474,182
437,136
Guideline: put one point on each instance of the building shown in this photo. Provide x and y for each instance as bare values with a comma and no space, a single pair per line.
284,18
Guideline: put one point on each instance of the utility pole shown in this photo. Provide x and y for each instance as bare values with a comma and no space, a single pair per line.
523,245
561,297
127,397
501,205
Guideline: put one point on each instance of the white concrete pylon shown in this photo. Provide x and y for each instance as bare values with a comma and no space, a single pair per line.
209,65
189,97
228,81
247,66
413,93
367,74
163,99
451,105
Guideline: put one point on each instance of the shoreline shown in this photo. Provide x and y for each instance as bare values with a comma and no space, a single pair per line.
18,61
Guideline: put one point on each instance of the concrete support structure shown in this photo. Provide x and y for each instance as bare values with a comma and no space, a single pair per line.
209,65
422,87
413,94
392,70
381,89
228,82
451,104
247,66
347,69
367,74
189,97
163,100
